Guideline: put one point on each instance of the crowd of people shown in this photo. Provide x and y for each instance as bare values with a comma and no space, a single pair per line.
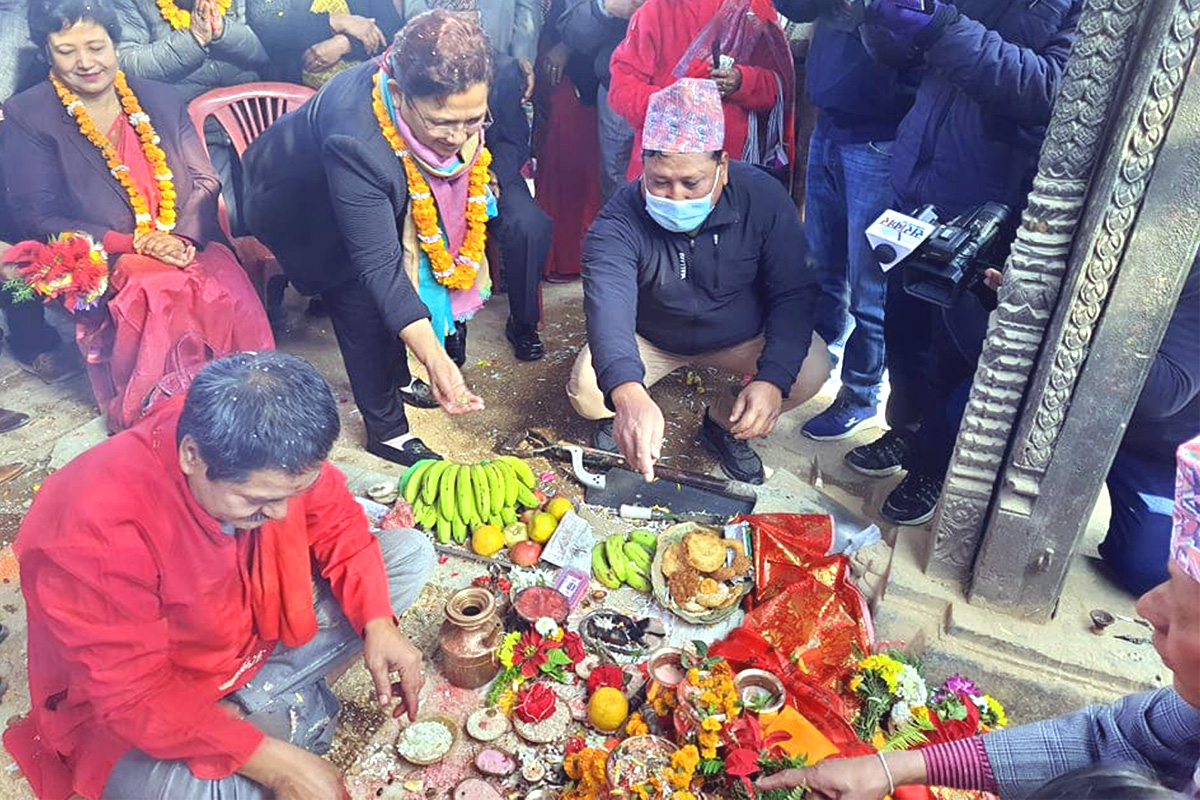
454,149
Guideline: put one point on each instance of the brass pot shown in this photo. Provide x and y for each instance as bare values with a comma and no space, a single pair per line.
469,638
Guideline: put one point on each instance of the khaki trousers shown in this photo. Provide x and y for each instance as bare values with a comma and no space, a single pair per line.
737,360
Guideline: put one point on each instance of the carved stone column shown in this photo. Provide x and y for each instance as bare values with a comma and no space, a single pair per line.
1018,493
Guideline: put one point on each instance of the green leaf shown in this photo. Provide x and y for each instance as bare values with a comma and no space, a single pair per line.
558,658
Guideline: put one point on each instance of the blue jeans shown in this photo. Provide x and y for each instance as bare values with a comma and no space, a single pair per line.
1141,490
288,698
848,187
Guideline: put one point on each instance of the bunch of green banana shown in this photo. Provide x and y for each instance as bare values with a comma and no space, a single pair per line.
453,499
625,559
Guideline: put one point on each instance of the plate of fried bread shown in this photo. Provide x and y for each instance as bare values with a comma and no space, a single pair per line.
699,575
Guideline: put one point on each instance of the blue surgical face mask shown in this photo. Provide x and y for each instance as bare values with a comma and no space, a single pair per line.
680,216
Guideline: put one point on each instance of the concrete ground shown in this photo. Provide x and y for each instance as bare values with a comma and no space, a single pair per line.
531,395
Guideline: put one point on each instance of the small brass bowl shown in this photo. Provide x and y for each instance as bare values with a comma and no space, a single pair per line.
760,691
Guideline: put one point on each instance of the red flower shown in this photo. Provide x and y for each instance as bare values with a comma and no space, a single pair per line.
530,652
575,744
606,675
535,703
949,730
573,644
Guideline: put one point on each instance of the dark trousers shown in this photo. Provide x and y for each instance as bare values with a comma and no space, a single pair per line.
1142,491
931,355
523,232
375,358
29,335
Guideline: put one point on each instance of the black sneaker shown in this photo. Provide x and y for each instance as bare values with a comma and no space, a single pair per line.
602,437
419,394
406,454
526,344
880,458
738,460
456,344
913,501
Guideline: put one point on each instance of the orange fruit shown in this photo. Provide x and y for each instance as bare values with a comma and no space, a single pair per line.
487,540
558,507
607,709
542,527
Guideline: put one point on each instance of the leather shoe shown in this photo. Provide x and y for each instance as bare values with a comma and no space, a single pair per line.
602,437
738,460
456,344
406,455
11,420
10,471
419,394
526,344
54,366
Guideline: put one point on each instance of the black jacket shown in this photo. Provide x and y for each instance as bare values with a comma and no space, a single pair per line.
589,32
742,274
326,193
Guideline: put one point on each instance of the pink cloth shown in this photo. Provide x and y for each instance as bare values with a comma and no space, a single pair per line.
960,764
685,117
163,324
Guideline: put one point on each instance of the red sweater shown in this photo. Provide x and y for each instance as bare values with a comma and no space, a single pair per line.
660,32
139,614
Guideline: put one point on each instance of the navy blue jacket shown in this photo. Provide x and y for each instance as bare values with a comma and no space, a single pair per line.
860,99
742,274
977,123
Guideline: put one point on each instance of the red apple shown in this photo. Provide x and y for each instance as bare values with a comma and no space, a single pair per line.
526,515
540,496
525,554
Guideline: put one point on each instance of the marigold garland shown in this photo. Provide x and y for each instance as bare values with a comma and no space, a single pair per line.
150,147
453,272
179,18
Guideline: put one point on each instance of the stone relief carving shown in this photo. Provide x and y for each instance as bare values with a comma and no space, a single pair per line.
1074,142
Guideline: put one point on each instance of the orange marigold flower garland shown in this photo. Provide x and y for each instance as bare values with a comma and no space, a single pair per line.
143,221
453,272
179,18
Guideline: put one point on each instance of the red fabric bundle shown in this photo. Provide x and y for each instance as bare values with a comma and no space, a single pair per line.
281,581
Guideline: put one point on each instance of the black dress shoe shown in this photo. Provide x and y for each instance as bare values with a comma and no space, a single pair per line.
407,454
602,437
456,344
738,460
419,394
11,420
526,344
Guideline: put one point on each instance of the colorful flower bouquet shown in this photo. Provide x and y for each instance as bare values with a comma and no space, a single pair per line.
71,266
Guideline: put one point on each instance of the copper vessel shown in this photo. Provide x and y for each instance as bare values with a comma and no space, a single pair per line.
469,637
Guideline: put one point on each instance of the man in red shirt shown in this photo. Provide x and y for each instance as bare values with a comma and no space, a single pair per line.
189,584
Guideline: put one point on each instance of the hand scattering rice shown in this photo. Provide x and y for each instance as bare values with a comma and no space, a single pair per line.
425,741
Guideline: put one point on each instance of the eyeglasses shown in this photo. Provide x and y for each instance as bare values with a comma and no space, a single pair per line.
469,127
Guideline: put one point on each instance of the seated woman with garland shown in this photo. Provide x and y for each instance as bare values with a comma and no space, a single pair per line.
118,160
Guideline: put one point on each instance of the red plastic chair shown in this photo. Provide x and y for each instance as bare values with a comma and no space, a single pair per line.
244,112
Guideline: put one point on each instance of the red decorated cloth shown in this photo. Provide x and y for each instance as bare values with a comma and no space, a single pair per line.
163,324
143,611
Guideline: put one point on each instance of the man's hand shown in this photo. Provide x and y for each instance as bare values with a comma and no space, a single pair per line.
294,774
201,26
622,8
728,80
993,279
385,650
755,410
169,249
860,778
362,28
638,428
449,388
323,55
554,64
494,185
530,79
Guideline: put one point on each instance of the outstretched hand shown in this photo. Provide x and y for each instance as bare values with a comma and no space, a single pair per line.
385,650
638,428
756,410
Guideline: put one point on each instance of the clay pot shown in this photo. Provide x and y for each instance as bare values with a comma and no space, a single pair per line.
469,637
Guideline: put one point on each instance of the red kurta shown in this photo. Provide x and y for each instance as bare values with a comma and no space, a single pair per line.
660,32
139,611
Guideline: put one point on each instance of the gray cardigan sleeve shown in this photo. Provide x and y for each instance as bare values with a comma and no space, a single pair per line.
168,59
1156,730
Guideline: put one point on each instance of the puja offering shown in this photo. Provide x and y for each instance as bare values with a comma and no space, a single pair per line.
545,726
493,761
666,667
698,574
535,602
638,760
487,724
427,741
760,691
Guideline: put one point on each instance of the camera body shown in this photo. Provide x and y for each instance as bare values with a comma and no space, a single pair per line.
952,255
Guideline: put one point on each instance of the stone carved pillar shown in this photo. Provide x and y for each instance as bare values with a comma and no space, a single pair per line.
1040,338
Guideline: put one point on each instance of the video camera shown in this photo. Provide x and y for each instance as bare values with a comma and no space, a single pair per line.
941,259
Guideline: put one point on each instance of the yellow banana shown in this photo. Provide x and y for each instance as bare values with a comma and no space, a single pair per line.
521,469
601,570
446,499
465,492
444,530
525,497
495,482
483,492
413,485
431,481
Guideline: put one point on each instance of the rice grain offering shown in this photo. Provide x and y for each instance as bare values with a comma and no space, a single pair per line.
425,742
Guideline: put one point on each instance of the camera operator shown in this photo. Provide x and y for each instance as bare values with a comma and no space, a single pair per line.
991,70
